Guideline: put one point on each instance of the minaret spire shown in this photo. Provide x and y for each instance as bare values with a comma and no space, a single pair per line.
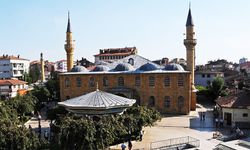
68,27
69,46
189,17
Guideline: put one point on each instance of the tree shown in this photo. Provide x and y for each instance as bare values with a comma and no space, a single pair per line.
81,132
34,74
41,93
216,87
53,86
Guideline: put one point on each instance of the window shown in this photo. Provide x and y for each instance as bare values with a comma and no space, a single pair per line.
151,81
78,82
167,81
180,101
131,61
105,81
208,75
91,82
120,81
151,101
203,75
67,82
180,80
245,114
167,101
137,81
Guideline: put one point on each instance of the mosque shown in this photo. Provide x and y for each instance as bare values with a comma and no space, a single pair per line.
169,89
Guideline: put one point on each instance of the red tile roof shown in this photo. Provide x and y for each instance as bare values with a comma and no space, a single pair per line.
11,82
238,100
114,54
11,58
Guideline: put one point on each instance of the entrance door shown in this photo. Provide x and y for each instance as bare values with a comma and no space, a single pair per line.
228,118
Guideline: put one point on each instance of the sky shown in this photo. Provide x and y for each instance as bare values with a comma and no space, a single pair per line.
155,27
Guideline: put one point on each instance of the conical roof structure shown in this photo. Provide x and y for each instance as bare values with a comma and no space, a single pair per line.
97,103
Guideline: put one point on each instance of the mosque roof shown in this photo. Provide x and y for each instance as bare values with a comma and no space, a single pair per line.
97,102
100,68
148,67
123,67
173,67
79,69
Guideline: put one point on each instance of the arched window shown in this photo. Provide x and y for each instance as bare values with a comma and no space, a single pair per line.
105,81
151,81
180,101
120,81
167,81
180,80
78,82
137,81
91,82
167,101
131,61
151,101
67,82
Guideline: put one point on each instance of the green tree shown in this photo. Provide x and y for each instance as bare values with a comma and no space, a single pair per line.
34,74
41,93
216,87
80,132
53,86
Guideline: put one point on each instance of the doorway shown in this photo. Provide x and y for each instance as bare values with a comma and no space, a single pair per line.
228,118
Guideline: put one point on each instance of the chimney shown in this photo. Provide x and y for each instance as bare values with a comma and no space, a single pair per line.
18,56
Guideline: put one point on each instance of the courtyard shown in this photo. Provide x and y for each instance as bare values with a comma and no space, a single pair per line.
181,126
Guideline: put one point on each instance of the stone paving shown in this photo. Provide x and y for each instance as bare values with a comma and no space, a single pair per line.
179,126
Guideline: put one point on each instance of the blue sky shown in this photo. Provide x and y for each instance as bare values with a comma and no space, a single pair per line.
155,27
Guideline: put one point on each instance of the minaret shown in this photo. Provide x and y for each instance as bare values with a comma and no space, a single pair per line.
190,43
69,46
42,68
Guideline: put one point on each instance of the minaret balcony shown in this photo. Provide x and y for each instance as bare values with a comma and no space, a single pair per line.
190,42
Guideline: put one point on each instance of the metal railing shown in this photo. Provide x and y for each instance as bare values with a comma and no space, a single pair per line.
182,142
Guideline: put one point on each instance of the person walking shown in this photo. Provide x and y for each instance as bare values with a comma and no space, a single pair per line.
130,145
141,134
203,116
216,122
221,122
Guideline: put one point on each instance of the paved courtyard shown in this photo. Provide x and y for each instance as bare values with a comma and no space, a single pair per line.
180,126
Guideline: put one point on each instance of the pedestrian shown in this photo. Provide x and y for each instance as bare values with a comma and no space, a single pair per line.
216,122
221,122
200,115
141,134
30,127
130,145
203,116
123,146
46,135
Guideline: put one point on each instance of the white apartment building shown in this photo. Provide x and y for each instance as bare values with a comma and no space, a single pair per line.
13,67
61,66
10,88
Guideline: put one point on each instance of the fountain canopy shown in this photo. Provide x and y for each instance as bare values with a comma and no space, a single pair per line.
97,103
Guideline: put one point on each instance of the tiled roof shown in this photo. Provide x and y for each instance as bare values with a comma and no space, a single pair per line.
238,100
11,58
113,54
117,51
11,82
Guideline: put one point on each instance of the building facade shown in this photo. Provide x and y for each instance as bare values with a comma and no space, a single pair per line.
13,67
10,88
166,89
113,54
205,77
61,66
